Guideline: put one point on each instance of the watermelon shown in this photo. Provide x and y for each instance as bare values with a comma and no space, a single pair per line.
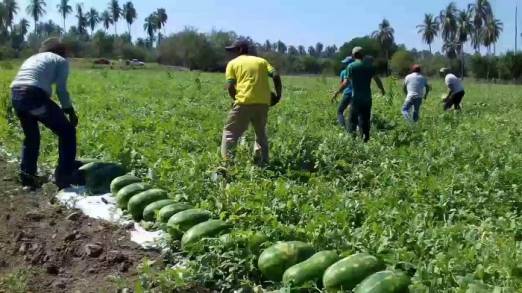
311,269
210,228
385,282
245,239
274,260
170,210
184,220
122,181
123,196
98,176
149,213
350,271
138,202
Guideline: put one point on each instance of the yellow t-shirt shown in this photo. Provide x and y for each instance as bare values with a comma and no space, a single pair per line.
250,75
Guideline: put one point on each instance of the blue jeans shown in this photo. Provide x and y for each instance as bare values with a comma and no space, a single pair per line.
414,103
32,105
345,102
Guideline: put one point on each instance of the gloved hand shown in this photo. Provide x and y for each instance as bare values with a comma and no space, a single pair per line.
274,99
72,116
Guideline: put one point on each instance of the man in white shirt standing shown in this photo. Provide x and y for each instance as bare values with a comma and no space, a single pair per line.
416,88
31,98
456,90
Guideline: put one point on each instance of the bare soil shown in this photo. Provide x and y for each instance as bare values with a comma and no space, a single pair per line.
45,247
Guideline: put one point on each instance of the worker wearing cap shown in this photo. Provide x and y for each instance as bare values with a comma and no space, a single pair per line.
456,90
248,85
31,99
346,89
416,88
361,73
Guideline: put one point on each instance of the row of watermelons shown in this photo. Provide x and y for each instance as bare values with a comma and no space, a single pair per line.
182,220
293,262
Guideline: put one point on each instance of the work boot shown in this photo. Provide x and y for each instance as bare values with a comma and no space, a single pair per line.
30,182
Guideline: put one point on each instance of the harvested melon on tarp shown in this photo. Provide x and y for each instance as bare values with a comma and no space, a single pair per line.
99,175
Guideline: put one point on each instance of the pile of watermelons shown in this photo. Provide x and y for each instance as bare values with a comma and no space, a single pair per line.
294,263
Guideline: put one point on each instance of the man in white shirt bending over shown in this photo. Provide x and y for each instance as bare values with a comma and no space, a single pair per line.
456,90
416,88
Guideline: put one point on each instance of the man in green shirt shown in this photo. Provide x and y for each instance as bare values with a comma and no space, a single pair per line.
361,74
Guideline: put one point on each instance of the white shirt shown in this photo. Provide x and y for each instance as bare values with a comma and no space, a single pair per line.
415,85
454,84
42,70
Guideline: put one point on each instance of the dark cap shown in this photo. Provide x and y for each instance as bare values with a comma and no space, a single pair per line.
238,44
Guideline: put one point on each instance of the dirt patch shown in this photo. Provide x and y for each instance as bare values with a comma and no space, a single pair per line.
45,247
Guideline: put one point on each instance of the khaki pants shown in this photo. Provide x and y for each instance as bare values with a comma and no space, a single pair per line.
237,123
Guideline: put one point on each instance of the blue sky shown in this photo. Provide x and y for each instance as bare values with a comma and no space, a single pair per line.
299,22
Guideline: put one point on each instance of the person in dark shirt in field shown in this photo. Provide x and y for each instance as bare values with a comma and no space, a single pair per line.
361,73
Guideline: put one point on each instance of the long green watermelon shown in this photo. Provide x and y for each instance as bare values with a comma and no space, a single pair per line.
311,269
245,239
149,213
138,202
210,228
170,210
350,271
123,196
385,282
277,258
180,222
122,181
98,176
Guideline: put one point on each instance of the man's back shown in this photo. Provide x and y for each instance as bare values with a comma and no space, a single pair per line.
453,83
250,73
416,85
361,74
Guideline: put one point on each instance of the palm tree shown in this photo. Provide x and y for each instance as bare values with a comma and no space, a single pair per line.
23,27
3,16
161,13
150,26
11,8
429,29
482,11
106,20
492,29
82,20
385,36
448,22
93,18
115,10
36,9
130,15
65,9
464,29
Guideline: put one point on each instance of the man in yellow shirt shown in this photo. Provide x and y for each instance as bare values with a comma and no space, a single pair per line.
247,83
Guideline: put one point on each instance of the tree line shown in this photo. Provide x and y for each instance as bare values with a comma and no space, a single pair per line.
91,36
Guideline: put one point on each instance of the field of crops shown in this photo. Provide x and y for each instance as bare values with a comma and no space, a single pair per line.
444,195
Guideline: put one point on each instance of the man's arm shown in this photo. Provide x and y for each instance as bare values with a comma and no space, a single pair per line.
344,84
428,89
278,84
405,89
231,87
379,84
61,85
63,94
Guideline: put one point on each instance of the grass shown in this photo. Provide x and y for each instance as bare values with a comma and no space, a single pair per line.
444,194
